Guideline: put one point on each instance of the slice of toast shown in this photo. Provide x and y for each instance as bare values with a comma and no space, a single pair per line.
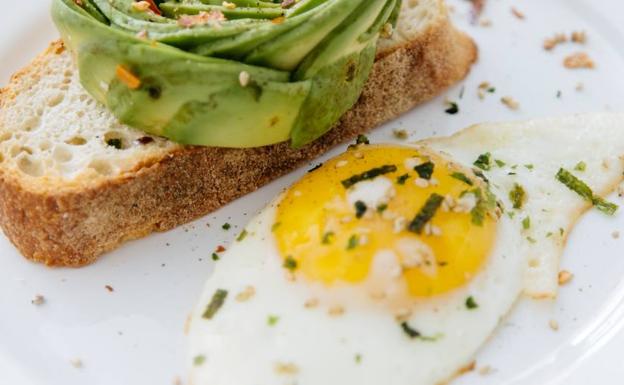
67,196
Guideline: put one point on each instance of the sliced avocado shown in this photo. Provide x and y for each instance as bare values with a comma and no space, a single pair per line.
250,80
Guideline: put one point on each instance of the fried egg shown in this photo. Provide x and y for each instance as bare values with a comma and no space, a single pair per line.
393,264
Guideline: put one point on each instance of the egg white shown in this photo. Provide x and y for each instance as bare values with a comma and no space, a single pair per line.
349,338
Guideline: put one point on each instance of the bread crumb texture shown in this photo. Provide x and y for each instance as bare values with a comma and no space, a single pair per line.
53,135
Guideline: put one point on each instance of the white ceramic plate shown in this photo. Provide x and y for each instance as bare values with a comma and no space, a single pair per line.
134,335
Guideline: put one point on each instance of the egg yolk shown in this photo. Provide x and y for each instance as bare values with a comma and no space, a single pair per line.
399,213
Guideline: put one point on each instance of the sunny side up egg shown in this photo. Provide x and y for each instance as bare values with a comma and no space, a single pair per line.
394,264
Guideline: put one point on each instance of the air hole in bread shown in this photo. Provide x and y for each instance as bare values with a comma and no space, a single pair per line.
5,136
17,150
101,167
76,141
30,166
31,123
62,154
55,100
45,145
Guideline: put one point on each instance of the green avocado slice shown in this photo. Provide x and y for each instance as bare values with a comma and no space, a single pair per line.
246,75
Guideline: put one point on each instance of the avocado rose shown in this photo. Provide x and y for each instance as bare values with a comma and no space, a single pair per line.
238,73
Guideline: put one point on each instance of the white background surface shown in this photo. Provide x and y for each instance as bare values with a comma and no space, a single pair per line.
134,334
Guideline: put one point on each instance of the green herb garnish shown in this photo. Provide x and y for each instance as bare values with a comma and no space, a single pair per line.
327,237
426,213
360,209
290,263
581,188
370,174
529,166
580,166
471,304
215,257
517,196
272,320
499,163
484,161
358,358
401,180
316,167
413,333
226,226
115,142
353,242
483,206
531,239
425,170
242,236
462,177
362,139
452,109
526,223
199,360
218,299
382,207
275,226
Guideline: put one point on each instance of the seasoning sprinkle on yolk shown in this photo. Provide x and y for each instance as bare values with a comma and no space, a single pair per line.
322,226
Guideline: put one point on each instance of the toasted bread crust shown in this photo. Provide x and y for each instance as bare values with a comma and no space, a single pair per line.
73,228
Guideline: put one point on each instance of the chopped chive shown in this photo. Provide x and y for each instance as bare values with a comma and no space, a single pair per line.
471,304
529,166
415,334
401,180
517,196
242,236
426,213
316,167
483,206
360,209
452,109
358,358
353,242
370,174
362,139
290,263
272,320
579,187
531,239
462,177
199,360
215,257
411,332
275,226
526,223
484,161
425,170
218,299
327,237
580,166
499,163
382,207
226,226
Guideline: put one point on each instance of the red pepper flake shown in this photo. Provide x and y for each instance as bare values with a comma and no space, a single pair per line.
220,249
109,288
127,77
153,7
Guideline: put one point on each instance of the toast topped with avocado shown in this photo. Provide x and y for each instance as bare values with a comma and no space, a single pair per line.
114,133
